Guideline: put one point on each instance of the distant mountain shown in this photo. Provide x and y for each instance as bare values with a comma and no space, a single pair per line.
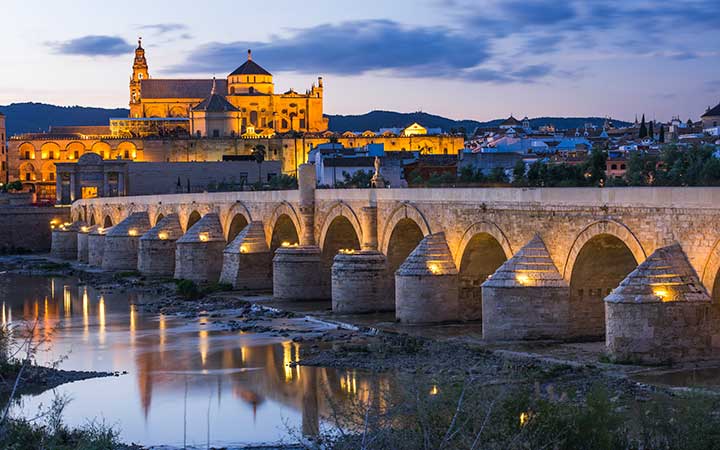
35,117
375,120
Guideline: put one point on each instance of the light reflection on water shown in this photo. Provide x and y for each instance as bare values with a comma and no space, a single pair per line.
234,387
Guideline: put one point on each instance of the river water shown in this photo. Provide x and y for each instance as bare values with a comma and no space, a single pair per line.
187,381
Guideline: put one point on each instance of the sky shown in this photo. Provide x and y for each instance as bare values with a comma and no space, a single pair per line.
463,59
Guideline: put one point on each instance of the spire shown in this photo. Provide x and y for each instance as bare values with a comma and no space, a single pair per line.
139,42
249,55
213,91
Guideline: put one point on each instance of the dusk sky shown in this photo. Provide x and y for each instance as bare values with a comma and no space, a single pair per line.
461,59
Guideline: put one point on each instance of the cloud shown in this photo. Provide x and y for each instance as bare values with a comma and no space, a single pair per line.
359,47
164,28
93,46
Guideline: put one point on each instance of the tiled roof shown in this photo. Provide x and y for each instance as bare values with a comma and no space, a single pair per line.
80,129
511,121
159,88
712,112
215,103
250,67
360,161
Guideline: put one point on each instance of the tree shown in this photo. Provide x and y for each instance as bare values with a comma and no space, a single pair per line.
651,131
259,154
662,134
594,167
497,175
643,128
519,173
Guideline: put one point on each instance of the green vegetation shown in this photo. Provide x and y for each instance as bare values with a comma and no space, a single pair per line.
360,179
420,414
674,166
189,290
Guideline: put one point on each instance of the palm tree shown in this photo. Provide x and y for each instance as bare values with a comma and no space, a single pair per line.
259,154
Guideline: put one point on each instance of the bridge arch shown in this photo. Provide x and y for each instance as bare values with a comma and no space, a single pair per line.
611,227
237,218
337,210
403,211
107,221
603,254
340,233
483,248
283,209
284,231
711,273
192,218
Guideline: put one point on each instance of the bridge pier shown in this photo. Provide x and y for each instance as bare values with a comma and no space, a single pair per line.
660,313
122,242
426,284
526,298
247,261
64,240
359,283
297,274
199,252
156,254
96,246
82,242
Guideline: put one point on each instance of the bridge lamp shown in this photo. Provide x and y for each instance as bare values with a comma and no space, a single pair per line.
662,293
523,279
132,232
243,248
204,236
84,229
163,235
285,244
434,268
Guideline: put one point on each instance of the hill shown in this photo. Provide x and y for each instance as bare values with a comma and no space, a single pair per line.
34,117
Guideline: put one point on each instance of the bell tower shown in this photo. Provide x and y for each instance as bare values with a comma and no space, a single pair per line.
140,72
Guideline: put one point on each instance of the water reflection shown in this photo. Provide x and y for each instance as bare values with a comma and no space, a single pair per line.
184,378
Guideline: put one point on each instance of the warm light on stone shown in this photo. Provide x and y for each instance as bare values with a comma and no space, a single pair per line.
523,279
204,236
163,235
132,232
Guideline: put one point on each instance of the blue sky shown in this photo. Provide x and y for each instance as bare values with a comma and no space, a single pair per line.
477,59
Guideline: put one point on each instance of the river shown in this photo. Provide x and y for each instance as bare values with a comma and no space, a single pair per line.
188,382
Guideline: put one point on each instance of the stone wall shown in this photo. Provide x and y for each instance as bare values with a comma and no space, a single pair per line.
27,228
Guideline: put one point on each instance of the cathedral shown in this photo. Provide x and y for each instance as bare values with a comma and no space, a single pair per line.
244,104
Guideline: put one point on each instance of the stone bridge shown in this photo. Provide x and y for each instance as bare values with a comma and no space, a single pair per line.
540,263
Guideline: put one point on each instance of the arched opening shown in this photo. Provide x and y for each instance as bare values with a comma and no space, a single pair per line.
404,238
50,150
340,235
102,149
107,223
481,258
74,150
194,217
92,219
27,172
27,151
602,263
159,218
283,232
238,223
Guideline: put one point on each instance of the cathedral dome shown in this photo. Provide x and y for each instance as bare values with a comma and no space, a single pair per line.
250,67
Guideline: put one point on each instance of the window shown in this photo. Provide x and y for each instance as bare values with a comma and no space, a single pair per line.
613,167
302,123
127,154
622,166
216,133
27,176
52,176
198,134
27,154
140,76
251,90
77,154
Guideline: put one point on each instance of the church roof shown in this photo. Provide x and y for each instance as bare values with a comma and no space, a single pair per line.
712,112
250,67
215,103
511,121
166,88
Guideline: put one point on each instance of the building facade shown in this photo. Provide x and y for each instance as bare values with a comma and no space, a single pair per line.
3,151
249,89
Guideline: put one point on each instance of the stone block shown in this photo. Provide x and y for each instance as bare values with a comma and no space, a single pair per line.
247,261
199,252
64,240
82,242
123,241
156,254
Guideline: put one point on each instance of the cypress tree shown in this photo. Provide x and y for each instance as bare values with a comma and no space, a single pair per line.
643,128
651,130
662,134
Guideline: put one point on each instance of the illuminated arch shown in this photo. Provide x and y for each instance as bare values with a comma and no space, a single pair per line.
126,150
340,209
480,228
405,210
710,270
286,209
239,208
27,172
102,148
26,150
50,150
47,171
73,147
611,227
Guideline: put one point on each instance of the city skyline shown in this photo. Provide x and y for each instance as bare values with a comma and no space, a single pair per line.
459,59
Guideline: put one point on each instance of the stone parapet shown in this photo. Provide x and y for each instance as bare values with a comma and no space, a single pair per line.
660,313
297,274
526,298
156,253
247,261
64,240
199,252
122,242
82,242
426,284
359,283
